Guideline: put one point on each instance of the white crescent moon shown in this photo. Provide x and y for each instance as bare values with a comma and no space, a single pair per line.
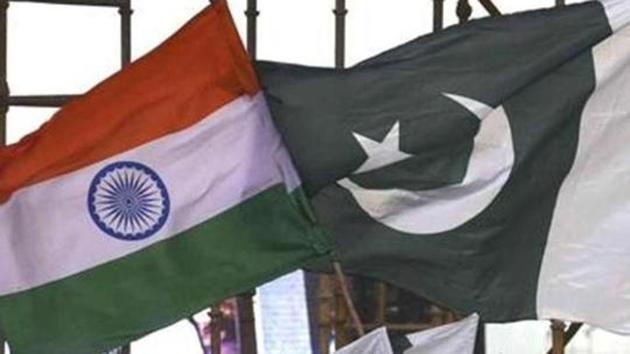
446,208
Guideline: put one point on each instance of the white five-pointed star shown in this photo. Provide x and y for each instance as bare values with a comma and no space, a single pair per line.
381,154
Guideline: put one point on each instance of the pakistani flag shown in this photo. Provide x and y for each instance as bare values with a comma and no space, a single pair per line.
486,167
162,190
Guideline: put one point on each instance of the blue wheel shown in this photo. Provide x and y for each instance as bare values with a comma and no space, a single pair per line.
128,201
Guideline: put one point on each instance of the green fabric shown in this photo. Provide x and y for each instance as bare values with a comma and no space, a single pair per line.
113,304
491,264
537,65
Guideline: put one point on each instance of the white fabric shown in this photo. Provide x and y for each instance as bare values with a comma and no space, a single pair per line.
235,153
282,318
438,210
381,154
375,342
618,12
453,338
585,273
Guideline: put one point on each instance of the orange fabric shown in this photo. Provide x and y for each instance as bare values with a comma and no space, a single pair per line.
199,69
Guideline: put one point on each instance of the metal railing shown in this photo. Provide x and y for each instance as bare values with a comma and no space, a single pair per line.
124,8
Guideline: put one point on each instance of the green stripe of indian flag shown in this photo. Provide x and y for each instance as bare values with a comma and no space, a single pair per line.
585,272
228,254
227,158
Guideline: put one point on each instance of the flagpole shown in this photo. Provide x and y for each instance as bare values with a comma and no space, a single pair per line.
438,15
340,12
252,27
492,9
343,283
569,334
557,335
125,12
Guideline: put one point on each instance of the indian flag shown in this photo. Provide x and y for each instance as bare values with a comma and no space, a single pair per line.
162,190
485,167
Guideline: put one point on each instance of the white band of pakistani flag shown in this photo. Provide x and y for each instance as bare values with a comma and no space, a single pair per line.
585,271
618,12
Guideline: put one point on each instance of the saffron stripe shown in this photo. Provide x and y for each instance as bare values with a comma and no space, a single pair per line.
195,72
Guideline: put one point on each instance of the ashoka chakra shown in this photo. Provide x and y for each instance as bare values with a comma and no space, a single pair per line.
128,201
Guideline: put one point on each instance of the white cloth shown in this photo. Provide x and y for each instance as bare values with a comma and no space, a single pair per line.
585,272
282,319
454,338
618,12
375,342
